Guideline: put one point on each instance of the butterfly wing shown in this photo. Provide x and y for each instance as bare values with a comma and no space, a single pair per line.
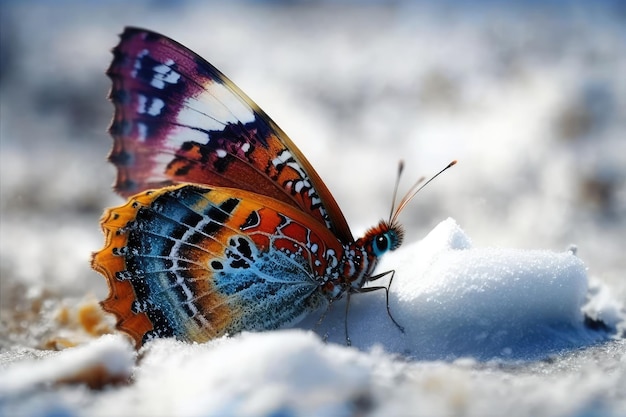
198,262
178,119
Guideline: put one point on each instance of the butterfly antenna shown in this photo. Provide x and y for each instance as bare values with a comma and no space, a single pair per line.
416,188
395,188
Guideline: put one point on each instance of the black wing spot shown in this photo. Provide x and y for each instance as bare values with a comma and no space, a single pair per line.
211,228
229,205
253,220
184,170
244,248
121,128
122,158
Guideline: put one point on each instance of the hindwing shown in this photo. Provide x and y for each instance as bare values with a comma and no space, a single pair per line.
198,262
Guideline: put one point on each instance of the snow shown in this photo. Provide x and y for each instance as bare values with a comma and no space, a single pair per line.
109,356
252,374
457,301
454,302
502,315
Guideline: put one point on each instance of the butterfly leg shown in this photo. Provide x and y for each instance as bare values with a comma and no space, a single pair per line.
345,321
325,313
321,319
370,289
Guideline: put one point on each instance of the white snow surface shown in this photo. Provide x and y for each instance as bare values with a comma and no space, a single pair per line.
530,100
110,352
454,302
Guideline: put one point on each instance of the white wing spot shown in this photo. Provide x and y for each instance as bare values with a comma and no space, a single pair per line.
137,65
141,103
156,106
164,74
281,158
142,130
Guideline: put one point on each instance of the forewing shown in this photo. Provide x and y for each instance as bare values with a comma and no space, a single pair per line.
197,262
178,119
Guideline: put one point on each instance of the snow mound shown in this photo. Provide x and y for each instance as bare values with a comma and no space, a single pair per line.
249,374
457,301
103,361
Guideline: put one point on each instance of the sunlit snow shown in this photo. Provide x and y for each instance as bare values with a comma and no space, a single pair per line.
502,314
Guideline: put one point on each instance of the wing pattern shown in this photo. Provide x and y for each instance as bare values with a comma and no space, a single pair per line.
178,119
227,226
196,263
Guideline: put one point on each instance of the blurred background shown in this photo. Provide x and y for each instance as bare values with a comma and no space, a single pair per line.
529,96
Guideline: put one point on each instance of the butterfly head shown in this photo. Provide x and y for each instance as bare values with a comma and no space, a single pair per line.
386,236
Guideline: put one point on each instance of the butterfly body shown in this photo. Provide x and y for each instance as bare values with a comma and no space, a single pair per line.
228,227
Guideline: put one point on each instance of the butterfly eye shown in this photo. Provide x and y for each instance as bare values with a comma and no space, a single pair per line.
382,244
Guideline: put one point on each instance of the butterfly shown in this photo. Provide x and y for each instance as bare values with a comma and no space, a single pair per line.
227,226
